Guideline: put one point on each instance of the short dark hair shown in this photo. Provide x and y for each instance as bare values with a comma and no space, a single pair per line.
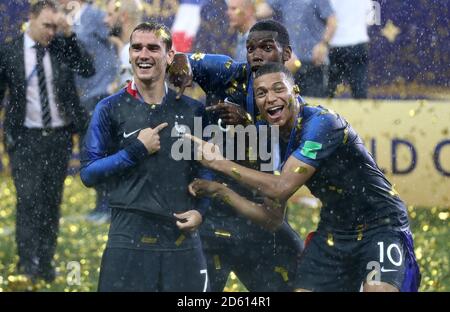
272,25
270,68
37,7
160,30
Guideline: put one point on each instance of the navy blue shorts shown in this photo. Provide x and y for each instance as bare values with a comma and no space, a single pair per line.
332,262
127,270
262,266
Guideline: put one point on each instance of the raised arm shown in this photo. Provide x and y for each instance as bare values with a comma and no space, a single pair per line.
212,72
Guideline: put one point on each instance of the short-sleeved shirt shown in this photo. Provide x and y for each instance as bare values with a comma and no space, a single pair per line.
305,21
353,190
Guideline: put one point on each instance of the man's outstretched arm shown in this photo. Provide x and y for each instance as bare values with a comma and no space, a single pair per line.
295,173
269,215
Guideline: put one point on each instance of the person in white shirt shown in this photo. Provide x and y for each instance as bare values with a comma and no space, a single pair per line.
349,47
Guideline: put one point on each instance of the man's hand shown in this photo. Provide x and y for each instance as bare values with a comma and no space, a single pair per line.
201,187
63,24
189,220
207,153
180,73
231,114
150,138
319,53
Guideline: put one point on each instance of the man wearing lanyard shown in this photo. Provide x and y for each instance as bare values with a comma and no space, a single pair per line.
363,236
44,111
152,244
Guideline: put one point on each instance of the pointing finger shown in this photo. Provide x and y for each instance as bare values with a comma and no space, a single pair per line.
160,127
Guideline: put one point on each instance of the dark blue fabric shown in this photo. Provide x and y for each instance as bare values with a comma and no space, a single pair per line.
97,164
347,180
413,277
124,163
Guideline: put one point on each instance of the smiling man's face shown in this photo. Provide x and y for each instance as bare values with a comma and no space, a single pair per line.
149,56
263,47
275,96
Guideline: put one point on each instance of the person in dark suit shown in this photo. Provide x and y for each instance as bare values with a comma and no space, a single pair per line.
43,112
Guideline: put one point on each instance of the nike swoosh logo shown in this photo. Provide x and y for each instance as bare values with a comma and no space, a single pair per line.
387,270
126,135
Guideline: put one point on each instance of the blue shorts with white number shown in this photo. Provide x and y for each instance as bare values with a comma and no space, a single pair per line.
148,254
343,262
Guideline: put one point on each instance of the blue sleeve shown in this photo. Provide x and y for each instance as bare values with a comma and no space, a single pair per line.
320,137
323,9
215,72
96,164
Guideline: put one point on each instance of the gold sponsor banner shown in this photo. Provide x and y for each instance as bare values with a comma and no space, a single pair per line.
410,141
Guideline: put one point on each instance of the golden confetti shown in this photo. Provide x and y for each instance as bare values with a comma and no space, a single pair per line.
360,232
443,215
299,123
236,172
283,272
86,245
198,56
217,264
228,64
393,191
226,199
301,170
149,240
222,233
68,181
296,89
162,33
244,70
334,188
277,173
24,27
412,113
230,90
180,240
330,240
327,111
298,64
345,136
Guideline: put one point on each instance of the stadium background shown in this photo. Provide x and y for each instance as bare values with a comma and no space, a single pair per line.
405,125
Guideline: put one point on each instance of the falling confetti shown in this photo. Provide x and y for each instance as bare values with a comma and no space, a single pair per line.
197,56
